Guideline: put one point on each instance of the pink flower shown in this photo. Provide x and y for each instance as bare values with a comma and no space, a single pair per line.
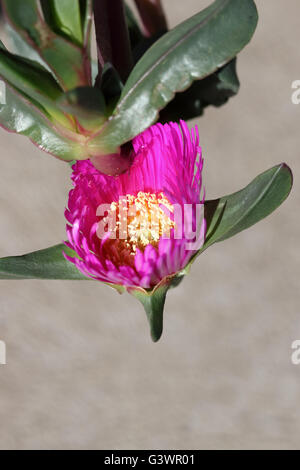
166,175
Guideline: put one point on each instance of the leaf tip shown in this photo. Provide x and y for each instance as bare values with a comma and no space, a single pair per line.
289,171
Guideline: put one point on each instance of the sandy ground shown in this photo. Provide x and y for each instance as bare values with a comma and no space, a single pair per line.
81,370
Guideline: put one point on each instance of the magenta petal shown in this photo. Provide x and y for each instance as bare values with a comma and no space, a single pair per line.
167,159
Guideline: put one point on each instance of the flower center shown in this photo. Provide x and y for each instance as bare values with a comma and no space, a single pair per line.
141,220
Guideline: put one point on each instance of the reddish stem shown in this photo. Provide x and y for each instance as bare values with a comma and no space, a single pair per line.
112,37
153,16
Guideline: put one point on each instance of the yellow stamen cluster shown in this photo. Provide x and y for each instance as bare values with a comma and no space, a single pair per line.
141,219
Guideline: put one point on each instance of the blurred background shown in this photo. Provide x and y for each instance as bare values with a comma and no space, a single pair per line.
82,372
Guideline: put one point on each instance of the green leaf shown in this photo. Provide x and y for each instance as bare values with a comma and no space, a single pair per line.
153,303
214,90
19,46
111,85
34,81
22,116
44,264
27,75
193,50
87,104
66,60
230,215
65,17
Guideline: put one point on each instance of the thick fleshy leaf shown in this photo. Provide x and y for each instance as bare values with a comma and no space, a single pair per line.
24,116
86,104
111,86
19,46
28,76
153,303
66,60
26,49
34,81
20,115
193,50
44,264
230,215
214,90
64,16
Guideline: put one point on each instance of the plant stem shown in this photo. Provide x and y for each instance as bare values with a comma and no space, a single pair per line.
153,16
112,37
